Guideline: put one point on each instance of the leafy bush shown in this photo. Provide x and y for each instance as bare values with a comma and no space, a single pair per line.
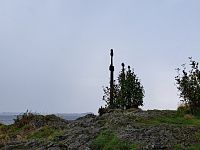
101,111
183,109
24,119
188,83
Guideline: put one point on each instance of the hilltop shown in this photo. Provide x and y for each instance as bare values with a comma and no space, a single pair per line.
116,129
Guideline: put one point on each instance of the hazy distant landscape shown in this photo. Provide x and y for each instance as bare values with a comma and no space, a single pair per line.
7,118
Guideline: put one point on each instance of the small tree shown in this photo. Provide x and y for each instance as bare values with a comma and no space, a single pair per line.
128,92
106,96
188,83
134,90
121,97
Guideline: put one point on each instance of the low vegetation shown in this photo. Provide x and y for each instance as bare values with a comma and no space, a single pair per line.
45,132
107,140
176,119
193,147
31,126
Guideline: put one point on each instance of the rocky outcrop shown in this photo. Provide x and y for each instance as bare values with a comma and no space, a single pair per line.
136,126
159,136
80,133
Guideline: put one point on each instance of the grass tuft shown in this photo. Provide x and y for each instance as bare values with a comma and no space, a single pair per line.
173,119
107,140
194,147
45,133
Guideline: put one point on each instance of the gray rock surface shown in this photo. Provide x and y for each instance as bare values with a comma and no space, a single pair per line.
127,125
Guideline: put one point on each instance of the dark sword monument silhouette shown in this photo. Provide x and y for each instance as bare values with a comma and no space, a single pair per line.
111,68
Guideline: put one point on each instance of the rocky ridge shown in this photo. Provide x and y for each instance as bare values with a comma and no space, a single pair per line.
152,129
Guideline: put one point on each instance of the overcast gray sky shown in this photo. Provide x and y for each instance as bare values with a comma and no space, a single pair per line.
54,54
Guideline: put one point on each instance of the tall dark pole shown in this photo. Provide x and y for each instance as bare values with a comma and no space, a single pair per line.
111,68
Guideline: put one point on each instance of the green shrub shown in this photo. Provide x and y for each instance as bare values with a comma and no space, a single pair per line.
23,119
188,84
183,109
